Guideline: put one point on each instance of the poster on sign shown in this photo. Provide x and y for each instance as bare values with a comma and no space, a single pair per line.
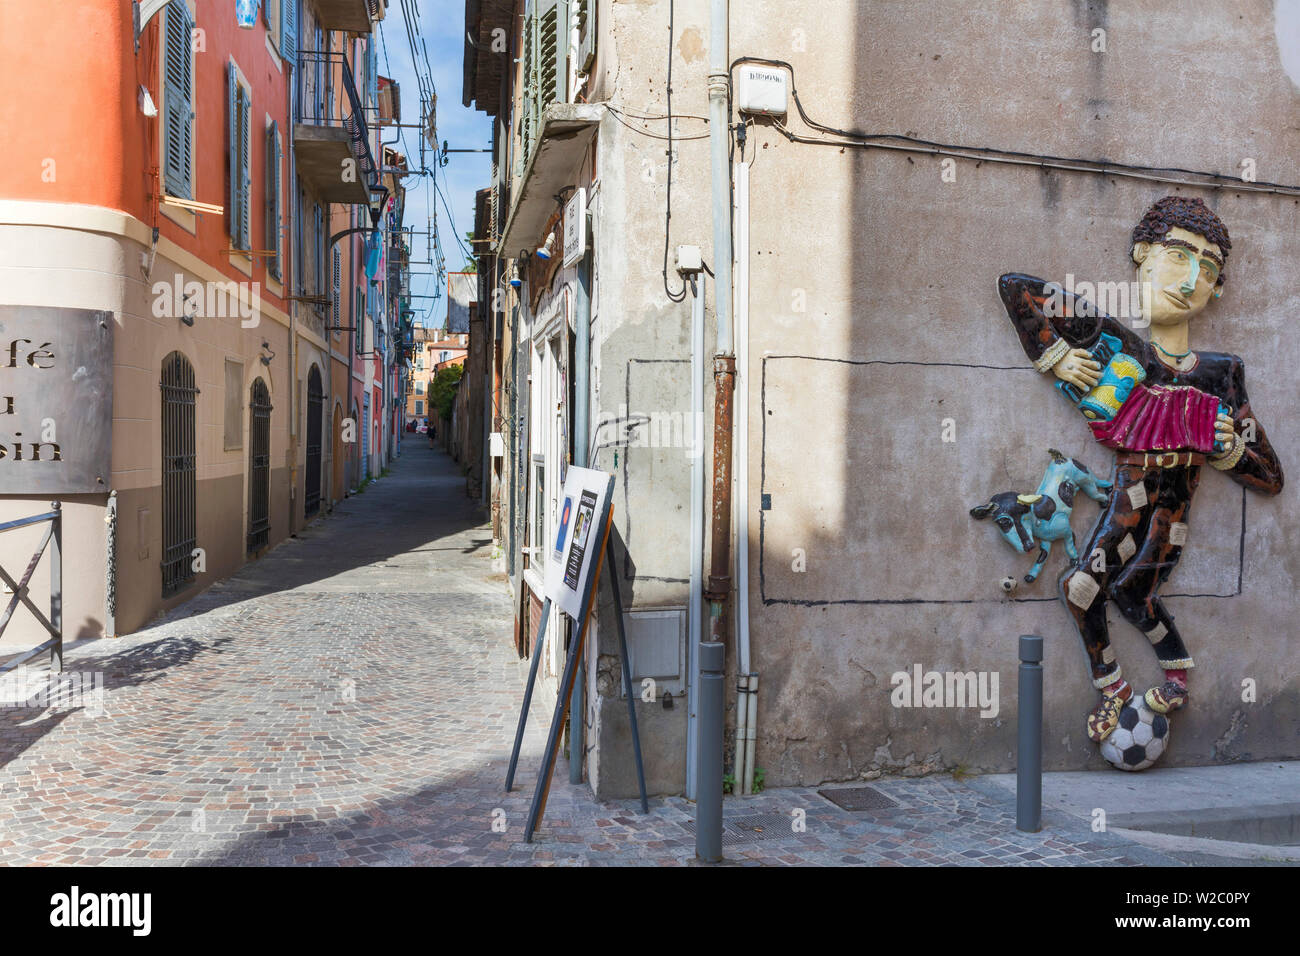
584,512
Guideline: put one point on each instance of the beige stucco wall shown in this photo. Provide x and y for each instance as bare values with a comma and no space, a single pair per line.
898,266
874,272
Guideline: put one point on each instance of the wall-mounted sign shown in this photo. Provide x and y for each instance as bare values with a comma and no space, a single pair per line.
575,227
56,400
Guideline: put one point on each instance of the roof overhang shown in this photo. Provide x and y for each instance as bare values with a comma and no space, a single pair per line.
350,15
485,21
567,129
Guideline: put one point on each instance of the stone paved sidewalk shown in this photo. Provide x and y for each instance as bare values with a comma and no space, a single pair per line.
351,699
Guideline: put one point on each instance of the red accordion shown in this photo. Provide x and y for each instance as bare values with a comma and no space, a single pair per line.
1162,418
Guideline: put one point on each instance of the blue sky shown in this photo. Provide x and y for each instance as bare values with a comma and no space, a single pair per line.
441,24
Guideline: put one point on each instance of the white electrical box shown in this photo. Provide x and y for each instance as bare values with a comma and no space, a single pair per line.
689,259
762,89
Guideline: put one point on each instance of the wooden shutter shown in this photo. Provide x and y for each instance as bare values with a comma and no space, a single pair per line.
587,33
178,96
245,175
525,119
274,158
550,56
318,245
233,192
289,30
335,288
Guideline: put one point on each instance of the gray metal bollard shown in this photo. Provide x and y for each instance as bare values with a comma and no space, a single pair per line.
1029,736
708,785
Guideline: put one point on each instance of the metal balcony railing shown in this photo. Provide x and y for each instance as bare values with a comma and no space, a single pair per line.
323,78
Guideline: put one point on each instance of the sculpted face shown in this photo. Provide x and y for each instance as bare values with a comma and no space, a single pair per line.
1180,274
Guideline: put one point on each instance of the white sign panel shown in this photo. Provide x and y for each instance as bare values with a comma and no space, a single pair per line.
575,227
577,548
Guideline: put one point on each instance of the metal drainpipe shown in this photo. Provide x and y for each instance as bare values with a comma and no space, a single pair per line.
708,808
581,438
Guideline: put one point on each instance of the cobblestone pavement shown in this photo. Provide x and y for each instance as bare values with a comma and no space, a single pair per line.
351,699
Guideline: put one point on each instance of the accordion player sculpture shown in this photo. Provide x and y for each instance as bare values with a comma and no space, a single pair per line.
1167,410
1123,413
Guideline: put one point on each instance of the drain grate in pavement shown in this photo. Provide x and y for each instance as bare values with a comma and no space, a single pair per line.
751,828
855,799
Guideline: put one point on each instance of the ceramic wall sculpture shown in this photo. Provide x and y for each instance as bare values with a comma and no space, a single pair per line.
1044,516
1167,410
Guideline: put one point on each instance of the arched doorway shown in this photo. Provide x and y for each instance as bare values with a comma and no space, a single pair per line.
179,526
259,467
315,407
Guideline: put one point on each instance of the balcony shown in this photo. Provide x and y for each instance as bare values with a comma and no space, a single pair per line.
351,15
563,137
330,128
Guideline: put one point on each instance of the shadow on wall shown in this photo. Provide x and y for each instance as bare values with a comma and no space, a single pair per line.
865,562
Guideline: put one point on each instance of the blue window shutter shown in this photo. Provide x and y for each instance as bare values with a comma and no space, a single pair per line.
268,235
273,160
289,30
233,191
279,209
245,174
178,94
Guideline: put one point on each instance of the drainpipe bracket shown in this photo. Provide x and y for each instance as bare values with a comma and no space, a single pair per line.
718,589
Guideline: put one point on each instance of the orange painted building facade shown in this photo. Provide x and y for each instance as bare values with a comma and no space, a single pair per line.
188,189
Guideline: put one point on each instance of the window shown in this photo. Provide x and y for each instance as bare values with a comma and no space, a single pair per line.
274,160
419,407
239,103
543,57
442,356
272,15
546,436
419,388
233,436
178,101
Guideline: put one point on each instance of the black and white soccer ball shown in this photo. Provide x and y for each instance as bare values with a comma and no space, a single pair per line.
1141,738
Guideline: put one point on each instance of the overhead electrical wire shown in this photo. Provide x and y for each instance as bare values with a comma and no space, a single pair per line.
995,154
668,199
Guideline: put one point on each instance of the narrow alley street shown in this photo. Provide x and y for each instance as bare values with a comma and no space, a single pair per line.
351,699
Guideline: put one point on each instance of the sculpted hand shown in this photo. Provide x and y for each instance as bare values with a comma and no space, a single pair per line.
1225,432
1077,367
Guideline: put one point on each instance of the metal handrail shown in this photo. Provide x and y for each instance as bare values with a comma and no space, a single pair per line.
321,108
54,623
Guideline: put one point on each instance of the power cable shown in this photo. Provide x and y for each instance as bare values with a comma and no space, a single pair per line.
1010,156
668,200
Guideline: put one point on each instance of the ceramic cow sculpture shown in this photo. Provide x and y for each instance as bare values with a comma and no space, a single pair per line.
1043,517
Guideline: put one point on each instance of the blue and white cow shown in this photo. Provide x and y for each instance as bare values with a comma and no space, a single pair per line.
1044,517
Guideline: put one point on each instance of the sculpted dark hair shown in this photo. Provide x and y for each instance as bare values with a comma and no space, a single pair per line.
1186,213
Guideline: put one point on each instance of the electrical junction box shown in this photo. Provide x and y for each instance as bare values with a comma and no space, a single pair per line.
762,89
689,259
